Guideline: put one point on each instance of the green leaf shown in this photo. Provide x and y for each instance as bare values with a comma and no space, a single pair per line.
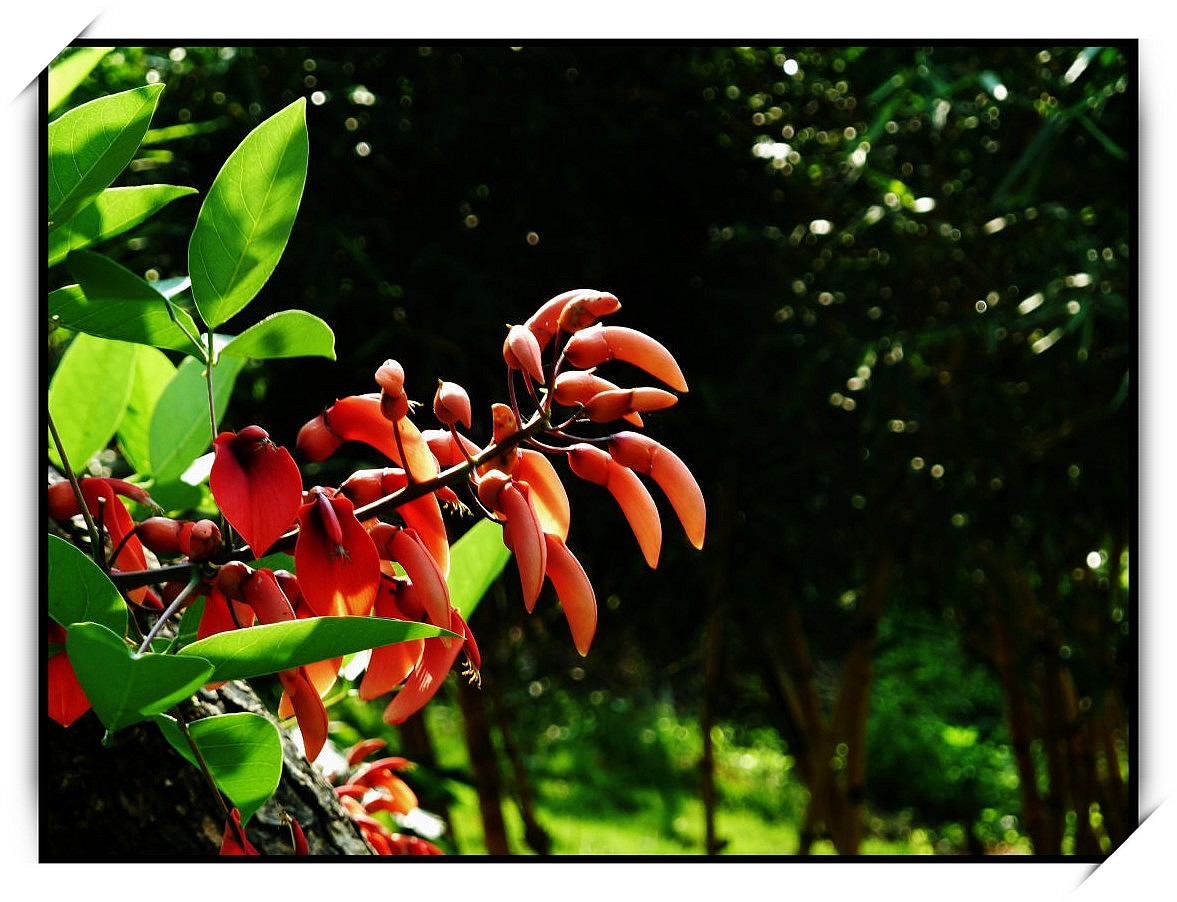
271,648
180,428
112,302
79,591
69,71
243,752
290,333
125,688
245,221
113,212
153,372
476,560
91,144
88,395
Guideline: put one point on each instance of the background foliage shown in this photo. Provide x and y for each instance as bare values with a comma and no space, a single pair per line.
899,281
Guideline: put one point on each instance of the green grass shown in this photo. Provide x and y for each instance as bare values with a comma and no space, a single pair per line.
625,782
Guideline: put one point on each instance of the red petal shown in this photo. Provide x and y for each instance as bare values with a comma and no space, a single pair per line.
235,841
593,464
67,701
575,592
308,708
389,665
425,680
358,418
257,486
547,492
101,496
335,579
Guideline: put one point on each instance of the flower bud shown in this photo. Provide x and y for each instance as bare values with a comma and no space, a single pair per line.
451,404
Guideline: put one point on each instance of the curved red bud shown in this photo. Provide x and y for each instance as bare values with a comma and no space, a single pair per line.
263,594
104,505
337,564
644,455
545,321
594,465
521,351
222,614
585,309
598,344
405,547
61,502
161,534
357,418
316,440
451,404
363,749
426,678
421,514
503,426
389,665
574,591
303,699
547,491
256,484
575,388
522,532
612,405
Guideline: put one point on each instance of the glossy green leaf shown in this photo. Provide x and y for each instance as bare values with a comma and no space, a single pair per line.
180,428
274,647
112,302
153,372
79,591
113,212
476,560
88,395
69,71
290,333
123,687
91,144
245,221
243,752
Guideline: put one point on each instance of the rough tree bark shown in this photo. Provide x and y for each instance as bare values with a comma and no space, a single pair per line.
140,800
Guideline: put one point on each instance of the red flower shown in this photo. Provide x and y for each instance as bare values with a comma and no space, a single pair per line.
357,418
103,503
256,484
67,701
510,500
594,465
337,565
235,842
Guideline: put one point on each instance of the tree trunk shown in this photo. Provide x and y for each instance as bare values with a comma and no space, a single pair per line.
140,800
485,764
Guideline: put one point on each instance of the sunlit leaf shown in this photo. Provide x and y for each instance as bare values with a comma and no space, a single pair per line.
79,591
246,218
112,302
243,752
91,144
180,429
476,560
113,212
289,333
88,395
69,71
125,688
270,648
153,372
